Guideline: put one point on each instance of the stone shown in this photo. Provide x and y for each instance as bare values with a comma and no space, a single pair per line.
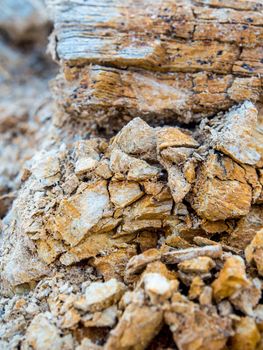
180,255
124,193
137,263
217,196
42,334
196,288
104,318
231,278
246,334
136,328
194,328
254,251
247,299
200,264
76,216
136,138
155,284
235,138
174,137
100,295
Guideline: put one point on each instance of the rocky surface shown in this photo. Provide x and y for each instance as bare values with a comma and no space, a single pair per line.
129,227
165,61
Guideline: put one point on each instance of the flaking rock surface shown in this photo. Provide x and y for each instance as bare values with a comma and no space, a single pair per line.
124,226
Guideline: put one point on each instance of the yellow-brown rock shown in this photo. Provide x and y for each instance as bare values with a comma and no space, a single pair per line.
99,296
254,251
136,328
221,191
142,185
124,193
246,334
200,264
194,328
78,215
231,278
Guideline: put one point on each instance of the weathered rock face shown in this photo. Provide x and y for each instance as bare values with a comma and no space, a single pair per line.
160,60
132,229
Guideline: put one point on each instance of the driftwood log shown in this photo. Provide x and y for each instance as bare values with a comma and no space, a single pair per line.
136,219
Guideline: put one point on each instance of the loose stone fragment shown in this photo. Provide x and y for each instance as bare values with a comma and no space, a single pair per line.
136,328
43,335
158,287
194,328
205,297
136,138
139,262
221,191
254,251
200,264
70,319
99,296
196,288
113,265
174,137
247,299
235,138
104,318
177,256
178,184
79,214
124,193
231,278
246,334
46,168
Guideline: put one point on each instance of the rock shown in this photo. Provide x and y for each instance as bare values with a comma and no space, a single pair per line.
174,137
87,344
43,335
157,285
46,168
180,255
205,297
200,264
194,328
76,216
130,230
246,334
100,295
136,138
246,228
235,138
136,328
124,193
178,184
196,288
247,299
104,318
70,319
113,265
217,192
231,278
139,262
254,251
130,167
